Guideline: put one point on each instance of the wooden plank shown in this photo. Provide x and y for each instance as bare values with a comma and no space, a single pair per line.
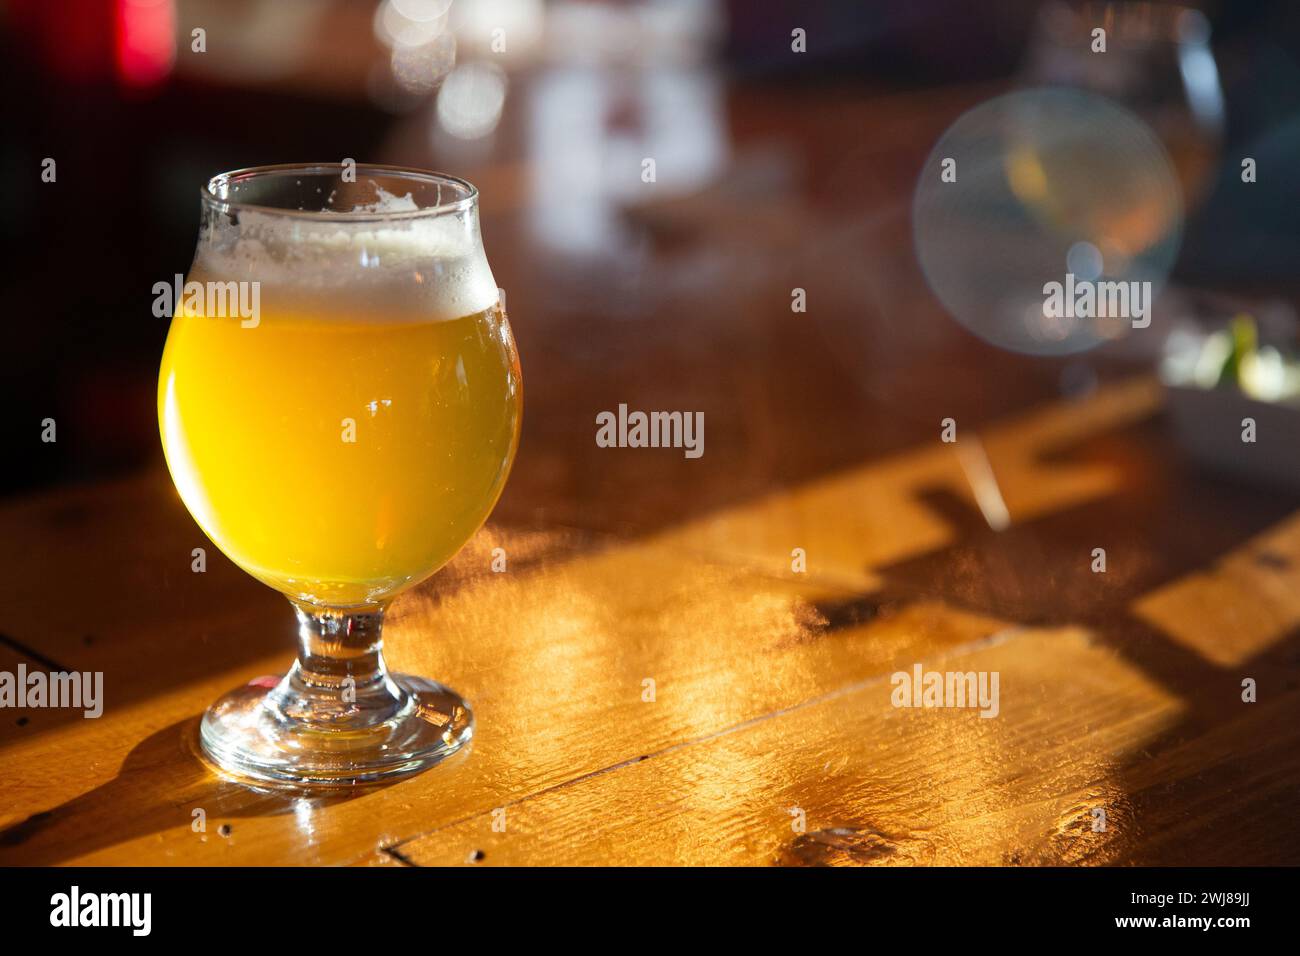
1224,798
1240,607
563,643
554,659
876,784
556,654
869,516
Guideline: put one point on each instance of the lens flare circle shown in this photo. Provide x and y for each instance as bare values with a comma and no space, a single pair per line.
1049,185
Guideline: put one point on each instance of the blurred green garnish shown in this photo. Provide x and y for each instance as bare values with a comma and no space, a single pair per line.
1233,357
1243,341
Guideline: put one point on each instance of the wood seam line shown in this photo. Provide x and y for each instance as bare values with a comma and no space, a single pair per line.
32,654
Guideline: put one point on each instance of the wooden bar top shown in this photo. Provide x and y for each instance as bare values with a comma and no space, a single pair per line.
684,696
692,661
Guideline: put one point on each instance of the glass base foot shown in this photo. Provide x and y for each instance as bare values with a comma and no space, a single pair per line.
294,732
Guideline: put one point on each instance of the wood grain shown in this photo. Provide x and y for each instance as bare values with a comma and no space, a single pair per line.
771,691
875,784
632,569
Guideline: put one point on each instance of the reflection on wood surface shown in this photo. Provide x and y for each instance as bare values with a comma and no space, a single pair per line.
685,697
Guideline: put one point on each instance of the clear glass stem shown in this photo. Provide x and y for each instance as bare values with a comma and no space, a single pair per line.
340,675
338,717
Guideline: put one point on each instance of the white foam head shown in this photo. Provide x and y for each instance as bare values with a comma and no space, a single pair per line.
389,256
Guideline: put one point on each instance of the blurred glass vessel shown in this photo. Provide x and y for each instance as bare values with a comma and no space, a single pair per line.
341,444
1157,63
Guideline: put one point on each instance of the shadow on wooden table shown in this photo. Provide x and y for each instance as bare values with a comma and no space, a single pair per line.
162,783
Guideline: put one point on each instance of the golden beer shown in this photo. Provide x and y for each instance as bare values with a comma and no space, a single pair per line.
339,456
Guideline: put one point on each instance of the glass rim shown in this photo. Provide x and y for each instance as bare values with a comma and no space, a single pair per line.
208,192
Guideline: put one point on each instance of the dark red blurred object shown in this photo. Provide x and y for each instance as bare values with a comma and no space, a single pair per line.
130,42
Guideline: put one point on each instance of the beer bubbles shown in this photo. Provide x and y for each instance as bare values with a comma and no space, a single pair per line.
1046,220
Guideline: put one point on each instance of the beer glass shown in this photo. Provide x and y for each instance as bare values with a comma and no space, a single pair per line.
339,403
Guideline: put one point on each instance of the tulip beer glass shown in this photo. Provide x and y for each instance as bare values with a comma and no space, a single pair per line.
339,403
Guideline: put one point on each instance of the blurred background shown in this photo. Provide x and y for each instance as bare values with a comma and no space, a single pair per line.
792,146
